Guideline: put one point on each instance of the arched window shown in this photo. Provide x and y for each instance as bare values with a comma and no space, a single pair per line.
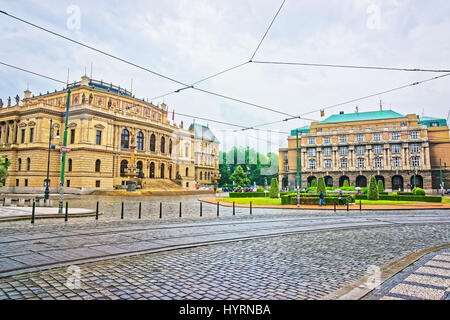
97,165
152,143
140,141
201,175
186,150
170,146
162,171
163,145
20,164
152,170
170,172
28,164
187,172
123,167
70,165
139,166
209,175
125,139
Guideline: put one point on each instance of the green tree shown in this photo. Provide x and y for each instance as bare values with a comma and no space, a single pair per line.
240,177
372,193
380,186
346,184
274,190
4,165
321,185
314,183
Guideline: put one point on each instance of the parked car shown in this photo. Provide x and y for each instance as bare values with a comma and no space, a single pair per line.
447,191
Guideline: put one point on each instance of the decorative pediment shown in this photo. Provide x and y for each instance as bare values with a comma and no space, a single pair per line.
99,126
72,125
31,123
56,125
22,125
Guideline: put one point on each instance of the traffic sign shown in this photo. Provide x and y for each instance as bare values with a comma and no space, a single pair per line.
65,149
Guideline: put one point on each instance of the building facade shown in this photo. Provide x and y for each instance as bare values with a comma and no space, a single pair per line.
400,150
106,124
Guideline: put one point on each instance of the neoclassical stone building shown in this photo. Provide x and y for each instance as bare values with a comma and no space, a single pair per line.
400,150
105,124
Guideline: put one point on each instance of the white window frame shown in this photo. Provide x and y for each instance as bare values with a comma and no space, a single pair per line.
377,149
312,163
360,162
343,161
378,162
396,148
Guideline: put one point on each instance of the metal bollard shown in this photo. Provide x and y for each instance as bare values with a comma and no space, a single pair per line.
32,212
217,208
347,203
201,208
360,205
180,209
334,205
160,210
234,213
140,210
250,207
121,213
96,212
67,211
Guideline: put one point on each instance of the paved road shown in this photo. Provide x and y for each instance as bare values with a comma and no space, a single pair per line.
299,266
22,250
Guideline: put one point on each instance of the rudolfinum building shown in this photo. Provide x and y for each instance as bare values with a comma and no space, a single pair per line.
106,124
397,149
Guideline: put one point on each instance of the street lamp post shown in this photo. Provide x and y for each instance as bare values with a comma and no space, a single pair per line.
298,173
63,156
47,189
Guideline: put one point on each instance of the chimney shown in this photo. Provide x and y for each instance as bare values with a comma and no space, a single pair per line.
85,80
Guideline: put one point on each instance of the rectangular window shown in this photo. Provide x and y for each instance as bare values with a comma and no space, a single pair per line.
97,183
376,137
285,155
98,137
395,135
377,149
326,140
26,182
31,134
327,151
286,167
360,149
343,151
395,148
311,140
360,138
342,138
311,152
396,162
360,163
378,162
22,137
68,183
17,182
415,148
312,164
414,135
415,161
327,163
343,163
72,136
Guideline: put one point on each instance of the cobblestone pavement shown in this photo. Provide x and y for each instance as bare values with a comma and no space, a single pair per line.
301,266
428,278
47,246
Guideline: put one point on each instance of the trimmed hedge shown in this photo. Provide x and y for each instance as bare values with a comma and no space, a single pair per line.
248,194
418,192
315,200
392,197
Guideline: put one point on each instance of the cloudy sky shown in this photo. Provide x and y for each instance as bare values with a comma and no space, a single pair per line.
190,39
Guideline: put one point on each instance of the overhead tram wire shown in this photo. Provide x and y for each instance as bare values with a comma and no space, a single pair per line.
350,66
186,86
178,113
350,101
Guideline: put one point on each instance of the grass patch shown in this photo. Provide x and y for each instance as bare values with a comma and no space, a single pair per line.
261,201
445,200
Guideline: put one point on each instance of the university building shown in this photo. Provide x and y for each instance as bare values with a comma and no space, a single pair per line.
401,150
110,134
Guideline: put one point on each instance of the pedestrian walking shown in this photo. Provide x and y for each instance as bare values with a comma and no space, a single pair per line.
321,199
341,201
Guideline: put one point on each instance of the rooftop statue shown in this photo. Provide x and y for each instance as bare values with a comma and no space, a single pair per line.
1,103
17,99
9,101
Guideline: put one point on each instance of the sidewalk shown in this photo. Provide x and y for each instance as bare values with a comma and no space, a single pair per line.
352,206
20,213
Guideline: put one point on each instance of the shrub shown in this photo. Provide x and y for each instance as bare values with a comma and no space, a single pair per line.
321,186
314,183
373,190
274,189
260,189
247,194
346,184
418,192
285,199
364,190
380,187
